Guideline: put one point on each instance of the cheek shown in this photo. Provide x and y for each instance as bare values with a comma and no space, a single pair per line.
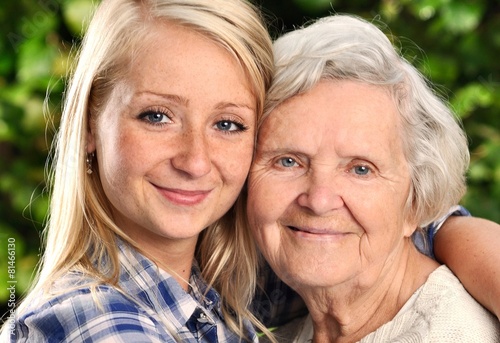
122,154
256,198
233,160
380,214
267,201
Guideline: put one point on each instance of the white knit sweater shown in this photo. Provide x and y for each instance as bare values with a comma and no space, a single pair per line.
441,311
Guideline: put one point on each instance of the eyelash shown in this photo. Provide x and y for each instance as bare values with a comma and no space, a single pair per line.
352,168
143,116
241,127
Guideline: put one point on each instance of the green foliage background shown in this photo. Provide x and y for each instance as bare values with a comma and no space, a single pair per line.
454,42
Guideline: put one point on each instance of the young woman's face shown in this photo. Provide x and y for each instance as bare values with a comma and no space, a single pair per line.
175,141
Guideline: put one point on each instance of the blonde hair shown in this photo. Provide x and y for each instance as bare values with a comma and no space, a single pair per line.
344,47
80,232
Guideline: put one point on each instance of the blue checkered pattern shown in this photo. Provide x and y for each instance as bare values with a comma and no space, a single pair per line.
433,228
150,307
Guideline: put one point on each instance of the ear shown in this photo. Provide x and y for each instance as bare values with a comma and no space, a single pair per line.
91,144
409,229
410,225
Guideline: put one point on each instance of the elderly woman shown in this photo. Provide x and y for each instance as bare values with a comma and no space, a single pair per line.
355,155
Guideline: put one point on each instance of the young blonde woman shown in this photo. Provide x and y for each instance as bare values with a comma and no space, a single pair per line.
155,143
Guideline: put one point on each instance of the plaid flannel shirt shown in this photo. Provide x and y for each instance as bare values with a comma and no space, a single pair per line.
151,307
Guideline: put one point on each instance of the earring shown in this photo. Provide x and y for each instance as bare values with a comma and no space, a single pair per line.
90,158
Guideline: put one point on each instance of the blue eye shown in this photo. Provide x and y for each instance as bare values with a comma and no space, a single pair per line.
361,170
155,117
287,162
229,126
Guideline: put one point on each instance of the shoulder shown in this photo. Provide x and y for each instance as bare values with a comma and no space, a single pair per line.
452,313
440,311
102,313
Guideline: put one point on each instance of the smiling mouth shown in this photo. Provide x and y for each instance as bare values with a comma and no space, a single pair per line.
314,232
183,197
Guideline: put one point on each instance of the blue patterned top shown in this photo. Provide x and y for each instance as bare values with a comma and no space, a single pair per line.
150,306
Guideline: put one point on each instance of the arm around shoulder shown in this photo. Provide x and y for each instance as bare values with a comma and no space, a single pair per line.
469,247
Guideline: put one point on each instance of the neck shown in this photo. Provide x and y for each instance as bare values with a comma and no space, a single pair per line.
176,263
348,312
173,256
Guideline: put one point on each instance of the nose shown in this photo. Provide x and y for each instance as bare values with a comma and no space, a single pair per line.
192,156
321,196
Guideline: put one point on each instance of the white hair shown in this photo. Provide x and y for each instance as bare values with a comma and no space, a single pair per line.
344,47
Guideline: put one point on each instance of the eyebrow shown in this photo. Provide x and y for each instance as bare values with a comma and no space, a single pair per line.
171,97
185,101
224,105
267,153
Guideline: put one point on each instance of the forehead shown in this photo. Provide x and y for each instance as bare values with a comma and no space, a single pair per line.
335,113
170,44
180,60
164,39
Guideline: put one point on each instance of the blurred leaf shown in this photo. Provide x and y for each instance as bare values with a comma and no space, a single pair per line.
470,97
314,6
479,202
35,63
76,14
442,69
461,16
426,9
479,172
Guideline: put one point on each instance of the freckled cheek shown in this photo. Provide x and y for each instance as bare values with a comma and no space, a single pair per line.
233,162
127,154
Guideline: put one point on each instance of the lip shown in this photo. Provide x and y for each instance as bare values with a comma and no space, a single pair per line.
184,197
317,233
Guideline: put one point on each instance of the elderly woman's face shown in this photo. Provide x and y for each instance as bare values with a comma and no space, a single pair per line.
328,186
